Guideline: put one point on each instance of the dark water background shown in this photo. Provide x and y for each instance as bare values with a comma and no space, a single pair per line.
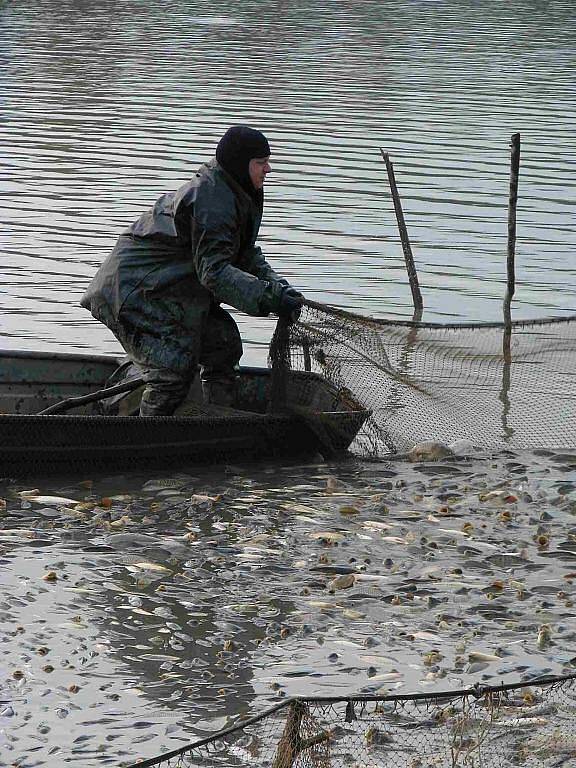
105,105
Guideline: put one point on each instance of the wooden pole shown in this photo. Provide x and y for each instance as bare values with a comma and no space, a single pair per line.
291,743
93,397
512,203
404,239
510,286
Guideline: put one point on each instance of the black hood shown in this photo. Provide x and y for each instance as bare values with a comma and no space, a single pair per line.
236,148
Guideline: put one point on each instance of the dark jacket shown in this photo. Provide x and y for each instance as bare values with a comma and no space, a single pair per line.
194,248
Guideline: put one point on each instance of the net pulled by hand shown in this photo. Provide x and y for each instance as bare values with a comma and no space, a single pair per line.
489,384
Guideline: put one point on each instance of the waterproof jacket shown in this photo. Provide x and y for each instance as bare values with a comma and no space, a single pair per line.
194,248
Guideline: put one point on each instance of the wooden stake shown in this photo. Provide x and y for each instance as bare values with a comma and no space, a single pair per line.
291,743
512,203
510,285
404,239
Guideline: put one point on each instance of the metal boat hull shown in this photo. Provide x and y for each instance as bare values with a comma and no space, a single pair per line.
88,440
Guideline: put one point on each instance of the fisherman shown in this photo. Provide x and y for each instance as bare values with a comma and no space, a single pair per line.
160,289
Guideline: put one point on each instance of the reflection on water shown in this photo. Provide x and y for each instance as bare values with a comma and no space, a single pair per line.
105,106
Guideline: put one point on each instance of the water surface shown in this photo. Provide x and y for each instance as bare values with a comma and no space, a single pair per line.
146,611
103,107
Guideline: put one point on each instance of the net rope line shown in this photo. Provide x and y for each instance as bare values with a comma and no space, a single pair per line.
476,692
378,321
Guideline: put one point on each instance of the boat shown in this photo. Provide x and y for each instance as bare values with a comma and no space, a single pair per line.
315,418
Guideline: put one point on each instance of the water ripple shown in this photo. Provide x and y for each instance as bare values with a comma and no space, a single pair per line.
104,108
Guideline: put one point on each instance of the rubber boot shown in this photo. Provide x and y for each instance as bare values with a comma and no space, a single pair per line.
220,391
162,400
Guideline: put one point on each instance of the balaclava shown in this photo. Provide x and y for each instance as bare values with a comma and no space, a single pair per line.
236,148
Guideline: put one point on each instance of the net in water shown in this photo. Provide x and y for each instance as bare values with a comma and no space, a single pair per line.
492,385
526,724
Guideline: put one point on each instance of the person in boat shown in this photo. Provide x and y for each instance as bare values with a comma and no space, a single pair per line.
161,288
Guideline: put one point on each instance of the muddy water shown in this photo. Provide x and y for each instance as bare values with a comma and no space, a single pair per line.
138,612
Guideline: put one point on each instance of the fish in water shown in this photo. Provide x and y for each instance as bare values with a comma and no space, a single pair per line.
463,448
61,501
555,743
175,545
429,450
544,636
479,656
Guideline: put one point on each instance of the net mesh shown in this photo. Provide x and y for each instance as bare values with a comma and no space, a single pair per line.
493,385
528,724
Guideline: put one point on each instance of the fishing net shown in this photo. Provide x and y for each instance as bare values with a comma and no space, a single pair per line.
525,724
491,385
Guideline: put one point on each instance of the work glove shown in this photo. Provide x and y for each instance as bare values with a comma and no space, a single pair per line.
290,304
283,300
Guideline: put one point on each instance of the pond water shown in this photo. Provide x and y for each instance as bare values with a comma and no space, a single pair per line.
104,106
134,645
141,612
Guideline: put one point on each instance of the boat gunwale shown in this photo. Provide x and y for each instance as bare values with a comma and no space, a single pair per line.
241,416
76,357
105,419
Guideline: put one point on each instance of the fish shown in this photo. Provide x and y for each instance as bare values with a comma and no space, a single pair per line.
322,605
61,501
393,540
328,569
201,503
344,581
180,545
429,450
375,737
521,722
474,656
242,754
168,483
376,660
149,567
506,560
554,744
462,447
327,537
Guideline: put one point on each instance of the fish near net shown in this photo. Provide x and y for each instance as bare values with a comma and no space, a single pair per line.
527,724
491,385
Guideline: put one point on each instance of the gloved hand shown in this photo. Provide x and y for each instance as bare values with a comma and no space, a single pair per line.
290,304
282,299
